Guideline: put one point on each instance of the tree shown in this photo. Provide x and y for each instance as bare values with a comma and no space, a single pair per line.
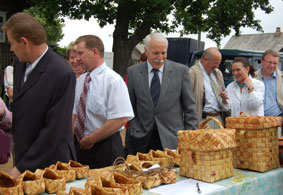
135,19
53,27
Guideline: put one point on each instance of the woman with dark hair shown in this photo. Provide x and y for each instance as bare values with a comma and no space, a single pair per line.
245,94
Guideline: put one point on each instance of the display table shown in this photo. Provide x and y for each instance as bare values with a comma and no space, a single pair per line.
243,182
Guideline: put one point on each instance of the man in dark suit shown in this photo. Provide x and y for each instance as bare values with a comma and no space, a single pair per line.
44,89
162,98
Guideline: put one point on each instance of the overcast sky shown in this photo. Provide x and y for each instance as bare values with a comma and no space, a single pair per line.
76,28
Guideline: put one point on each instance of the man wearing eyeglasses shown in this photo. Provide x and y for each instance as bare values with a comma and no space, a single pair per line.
272,78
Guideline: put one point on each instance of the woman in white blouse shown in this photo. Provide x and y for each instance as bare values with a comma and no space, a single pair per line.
245,94
8,81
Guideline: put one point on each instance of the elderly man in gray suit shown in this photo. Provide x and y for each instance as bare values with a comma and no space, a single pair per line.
162,98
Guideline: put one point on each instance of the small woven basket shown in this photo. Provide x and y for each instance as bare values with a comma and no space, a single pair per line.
257,141
206,154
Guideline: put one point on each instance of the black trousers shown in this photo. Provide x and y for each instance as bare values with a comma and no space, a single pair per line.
155,143
103,153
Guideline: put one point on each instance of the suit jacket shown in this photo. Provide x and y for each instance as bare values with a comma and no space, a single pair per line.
42,113
176,109
279,83
197,78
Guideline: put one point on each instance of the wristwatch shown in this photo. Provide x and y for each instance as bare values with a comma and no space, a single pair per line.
250,88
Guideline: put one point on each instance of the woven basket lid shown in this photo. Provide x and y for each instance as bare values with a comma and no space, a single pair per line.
253,122
207,139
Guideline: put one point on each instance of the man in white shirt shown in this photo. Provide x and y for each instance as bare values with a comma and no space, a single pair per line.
107,107
205,96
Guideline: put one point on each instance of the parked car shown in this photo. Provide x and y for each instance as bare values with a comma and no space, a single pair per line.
228,55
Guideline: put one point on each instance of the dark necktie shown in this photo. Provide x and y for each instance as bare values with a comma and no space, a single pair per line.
155,87
27,69
79,125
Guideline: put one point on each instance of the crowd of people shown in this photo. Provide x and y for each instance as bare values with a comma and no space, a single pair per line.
74,109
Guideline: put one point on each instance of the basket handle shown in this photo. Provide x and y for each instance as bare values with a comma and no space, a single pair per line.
211,118
246,114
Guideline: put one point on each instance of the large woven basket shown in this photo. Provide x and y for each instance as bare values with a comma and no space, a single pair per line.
206,154
257,141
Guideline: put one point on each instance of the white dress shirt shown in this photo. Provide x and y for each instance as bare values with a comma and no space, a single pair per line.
30,67
9,78
151,74
251,103
211,104
107,98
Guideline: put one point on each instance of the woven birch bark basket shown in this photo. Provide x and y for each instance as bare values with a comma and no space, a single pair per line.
257,141
206,154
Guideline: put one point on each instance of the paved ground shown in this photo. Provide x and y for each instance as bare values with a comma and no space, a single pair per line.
7,167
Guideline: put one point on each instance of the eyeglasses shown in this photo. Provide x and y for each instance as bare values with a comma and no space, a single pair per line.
270,62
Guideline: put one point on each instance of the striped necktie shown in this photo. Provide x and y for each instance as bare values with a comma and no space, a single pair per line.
79,125
155,87
215,90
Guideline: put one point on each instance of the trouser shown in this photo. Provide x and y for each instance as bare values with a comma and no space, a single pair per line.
103,153
155,143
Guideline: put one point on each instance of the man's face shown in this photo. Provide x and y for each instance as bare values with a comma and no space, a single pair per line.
85,56
156,53
213,63
19,48
269,64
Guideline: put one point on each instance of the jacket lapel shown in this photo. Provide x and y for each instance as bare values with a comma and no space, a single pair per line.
166,80
143,80
34,76
279,88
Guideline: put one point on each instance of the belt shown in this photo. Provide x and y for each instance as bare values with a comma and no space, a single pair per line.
205,114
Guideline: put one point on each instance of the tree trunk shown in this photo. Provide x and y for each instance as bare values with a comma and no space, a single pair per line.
123,43
122,56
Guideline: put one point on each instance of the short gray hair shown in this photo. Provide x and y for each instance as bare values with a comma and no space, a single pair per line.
155,36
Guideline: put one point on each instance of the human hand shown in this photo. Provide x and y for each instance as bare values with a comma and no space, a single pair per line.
224,97
86,142
248,82
15,173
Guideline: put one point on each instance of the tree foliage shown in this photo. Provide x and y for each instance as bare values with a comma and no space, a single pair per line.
134,19
53,26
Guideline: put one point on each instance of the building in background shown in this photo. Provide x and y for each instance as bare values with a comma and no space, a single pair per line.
257,42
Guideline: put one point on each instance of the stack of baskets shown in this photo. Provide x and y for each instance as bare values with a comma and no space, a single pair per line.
206,154
257,142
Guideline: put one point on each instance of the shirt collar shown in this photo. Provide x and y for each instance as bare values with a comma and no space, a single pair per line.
203,70
39,58
97,70
274,75
149,67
